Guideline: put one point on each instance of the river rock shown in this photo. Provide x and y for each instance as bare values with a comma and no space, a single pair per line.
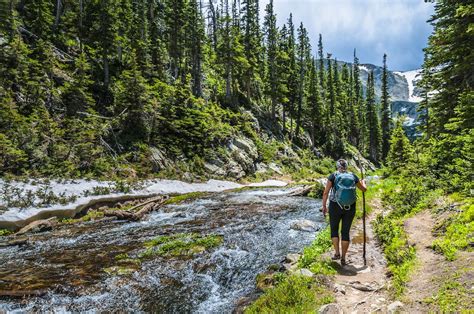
305,272
292,258
331,308
291,268
304,225
395,307
38,226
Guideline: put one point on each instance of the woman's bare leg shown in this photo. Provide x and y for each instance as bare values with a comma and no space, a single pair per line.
335,243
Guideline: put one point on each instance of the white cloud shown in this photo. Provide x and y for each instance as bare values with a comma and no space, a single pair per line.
397,27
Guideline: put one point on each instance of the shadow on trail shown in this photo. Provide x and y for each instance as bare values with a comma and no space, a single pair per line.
350,270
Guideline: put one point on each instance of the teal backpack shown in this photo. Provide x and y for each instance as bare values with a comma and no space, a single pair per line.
345,189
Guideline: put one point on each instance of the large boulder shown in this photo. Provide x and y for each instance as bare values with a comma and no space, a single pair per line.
158,159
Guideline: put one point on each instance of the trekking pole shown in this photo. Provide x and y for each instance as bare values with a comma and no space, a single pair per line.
363,213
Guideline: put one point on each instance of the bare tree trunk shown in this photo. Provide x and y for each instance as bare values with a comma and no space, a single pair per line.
58,13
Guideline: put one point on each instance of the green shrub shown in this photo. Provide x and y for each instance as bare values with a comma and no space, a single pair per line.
459,234
294,294
5,232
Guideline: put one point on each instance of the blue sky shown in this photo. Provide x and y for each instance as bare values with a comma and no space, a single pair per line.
373,27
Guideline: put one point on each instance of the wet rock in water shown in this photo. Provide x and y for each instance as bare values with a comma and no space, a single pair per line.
304,225
395,307
292,258
242,303
305,272
179,215
38,226
331,308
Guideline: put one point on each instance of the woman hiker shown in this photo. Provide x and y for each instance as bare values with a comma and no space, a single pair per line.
342,205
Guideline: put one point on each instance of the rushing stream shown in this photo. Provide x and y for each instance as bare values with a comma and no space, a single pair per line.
67,266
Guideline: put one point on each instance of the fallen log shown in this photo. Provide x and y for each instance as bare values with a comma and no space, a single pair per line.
129,214
302,191
38,226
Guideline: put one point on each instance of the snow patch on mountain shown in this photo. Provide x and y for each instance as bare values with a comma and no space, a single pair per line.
364,68
412,78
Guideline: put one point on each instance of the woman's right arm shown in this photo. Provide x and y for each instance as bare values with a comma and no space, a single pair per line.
325,196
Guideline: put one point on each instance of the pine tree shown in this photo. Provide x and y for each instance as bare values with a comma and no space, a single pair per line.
283,74
175,20
252,45
401,150
373,124
385,110
133,100
315,105
321,63
450,94
140,42
303,57
271,37
38,16
158,52
292,73
196,37
76,96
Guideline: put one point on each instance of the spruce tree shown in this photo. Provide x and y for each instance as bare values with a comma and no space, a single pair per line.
386,112
401,150
303,57
252,45
373,125
292,73
315,105
271,38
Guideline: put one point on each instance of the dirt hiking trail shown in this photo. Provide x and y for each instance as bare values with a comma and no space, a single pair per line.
359,288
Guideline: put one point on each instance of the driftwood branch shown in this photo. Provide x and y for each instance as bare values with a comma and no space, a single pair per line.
130,214
302,191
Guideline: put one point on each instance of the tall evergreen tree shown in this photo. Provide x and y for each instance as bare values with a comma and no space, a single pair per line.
315,105
271,37
374,134
386,111
292,73
252,45
303,57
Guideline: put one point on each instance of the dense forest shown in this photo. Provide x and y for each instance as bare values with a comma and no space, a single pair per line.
89,87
